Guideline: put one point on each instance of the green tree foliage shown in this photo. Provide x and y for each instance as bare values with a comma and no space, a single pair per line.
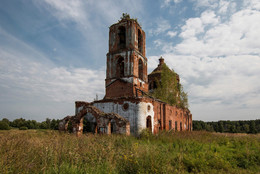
48,123
33,124
251,126
220,127
18,123
23,128
6,121
55,124
169,90
4,125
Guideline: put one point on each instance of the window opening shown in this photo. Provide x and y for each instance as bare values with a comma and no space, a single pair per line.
140,69
154,85
149,123
120,67
122,37
140,40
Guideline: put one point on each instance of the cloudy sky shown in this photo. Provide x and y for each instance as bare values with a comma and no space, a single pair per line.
53,52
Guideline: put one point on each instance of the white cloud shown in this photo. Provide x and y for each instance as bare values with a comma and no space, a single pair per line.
218,60
209,17
162,25
252,4
172,33
223,6
192,27
238,35
68,10
28,80
166,3
49,82
206,3
228,83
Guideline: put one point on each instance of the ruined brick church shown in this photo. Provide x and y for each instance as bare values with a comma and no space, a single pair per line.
127,107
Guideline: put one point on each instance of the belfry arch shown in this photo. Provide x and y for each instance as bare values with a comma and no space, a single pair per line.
140,41
122,36
140,69
120,67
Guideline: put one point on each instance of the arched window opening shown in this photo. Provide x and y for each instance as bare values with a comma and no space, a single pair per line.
140,69
180,126
150,86
120,67
140,41
154,85
159,122
170,124
149,123
89,124
122,37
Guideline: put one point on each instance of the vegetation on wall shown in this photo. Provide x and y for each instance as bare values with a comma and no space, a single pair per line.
169,90
250,126
126,16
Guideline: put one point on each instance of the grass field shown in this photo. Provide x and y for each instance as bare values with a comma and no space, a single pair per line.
46,151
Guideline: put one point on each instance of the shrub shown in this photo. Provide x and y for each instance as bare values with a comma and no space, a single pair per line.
4,126
23,128
145,133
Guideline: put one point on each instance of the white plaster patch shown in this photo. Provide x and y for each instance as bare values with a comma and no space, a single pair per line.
128,79
132,114
143,113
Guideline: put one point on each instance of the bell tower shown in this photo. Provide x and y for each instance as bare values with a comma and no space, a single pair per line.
126,71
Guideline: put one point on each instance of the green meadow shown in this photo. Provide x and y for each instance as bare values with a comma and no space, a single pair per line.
49,151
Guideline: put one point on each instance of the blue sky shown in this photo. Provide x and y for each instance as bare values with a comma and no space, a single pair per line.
53,52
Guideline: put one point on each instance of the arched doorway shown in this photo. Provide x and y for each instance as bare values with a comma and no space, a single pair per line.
149,123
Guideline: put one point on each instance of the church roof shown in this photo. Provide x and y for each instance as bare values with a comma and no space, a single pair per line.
159,68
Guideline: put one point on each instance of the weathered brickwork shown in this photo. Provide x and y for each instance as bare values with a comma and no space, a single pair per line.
127,107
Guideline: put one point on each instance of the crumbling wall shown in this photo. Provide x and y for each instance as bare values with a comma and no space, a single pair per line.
103,120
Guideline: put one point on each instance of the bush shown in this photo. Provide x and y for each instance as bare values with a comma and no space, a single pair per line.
23,128
145,133
4,126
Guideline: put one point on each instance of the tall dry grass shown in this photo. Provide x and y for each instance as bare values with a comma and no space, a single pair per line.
45,151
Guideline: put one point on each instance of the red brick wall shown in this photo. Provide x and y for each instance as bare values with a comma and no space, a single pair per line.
119,89
163,113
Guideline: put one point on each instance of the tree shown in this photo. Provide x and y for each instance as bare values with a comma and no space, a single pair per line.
246,128
183,98
43,125
55,124
18,123
48,123
6,121
4,125
252,128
